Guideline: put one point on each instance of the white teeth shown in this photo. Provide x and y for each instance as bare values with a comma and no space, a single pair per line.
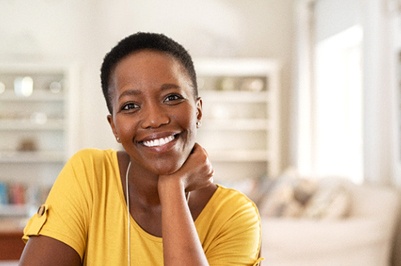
158,142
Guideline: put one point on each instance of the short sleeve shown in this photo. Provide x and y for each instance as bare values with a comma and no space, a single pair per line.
67,209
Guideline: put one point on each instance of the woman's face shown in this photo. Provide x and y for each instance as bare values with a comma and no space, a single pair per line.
154,110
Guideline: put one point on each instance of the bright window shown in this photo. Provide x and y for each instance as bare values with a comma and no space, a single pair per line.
337,106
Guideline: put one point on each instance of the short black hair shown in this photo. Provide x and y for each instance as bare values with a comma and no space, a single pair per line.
141,41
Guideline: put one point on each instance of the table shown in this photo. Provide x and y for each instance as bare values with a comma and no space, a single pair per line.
11,244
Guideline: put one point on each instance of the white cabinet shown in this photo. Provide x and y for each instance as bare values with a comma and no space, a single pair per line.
37,130
241,120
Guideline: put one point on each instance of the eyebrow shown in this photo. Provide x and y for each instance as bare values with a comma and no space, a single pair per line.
165,86
129,92
169,86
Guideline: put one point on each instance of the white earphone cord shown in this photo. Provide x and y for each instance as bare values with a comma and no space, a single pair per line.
128,215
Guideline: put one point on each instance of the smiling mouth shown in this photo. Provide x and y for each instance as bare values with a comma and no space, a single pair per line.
158,142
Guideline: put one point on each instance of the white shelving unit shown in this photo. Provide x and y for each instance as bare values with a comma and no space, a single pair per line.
38,128
241,123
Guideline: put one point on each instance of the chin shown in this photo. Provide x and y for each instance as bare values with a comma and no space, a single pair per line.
167,167
168,163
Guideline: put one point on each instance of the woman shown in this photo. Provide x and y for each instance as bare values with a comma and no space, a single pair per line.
153,203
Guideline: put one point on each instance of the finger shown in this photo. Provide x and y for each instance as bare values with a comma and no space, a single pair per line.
195,147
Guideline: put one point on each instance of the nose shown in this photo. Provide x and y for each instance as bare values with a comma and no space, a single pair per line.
154,116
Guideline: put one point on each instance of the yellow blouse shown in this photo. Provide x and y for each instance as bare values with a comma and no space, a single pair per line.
86,210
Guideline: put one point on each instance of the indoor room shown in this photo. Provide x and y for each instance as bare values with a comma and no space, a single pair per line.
301,112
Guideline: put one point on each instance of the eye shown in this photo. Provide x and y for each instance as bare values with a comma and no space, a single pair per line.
129,107
173,98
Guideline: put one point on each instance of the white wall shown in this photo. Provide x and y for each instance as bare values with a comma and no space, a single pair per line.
38,29
82,31
333,17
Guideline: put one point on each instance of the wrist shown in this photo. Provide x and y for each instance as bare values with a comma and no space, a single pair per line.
169,187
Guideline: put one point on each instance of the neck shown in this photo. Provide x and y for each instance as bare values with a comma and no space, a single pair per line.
142,186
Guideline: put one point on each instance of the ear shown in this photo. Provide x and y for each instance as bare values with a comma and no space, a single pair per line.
113,128
199,109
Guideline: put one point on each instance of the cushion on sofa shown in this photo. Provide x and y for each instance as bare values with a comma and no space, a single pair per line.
298,197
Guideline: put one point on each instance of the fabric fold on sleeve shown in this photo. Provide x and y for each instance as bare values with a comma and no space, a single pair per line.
36,223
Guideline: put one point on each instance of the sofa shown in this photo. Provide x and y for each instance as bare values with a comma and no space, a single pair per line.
355,227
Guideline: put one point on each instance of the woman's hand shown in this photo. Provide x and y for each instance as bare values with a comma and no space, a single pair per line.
196,173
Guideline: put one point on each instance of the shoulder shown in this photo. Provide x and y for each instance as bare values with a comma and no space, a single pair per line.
93,156
92,153
227,195
233,203
90,162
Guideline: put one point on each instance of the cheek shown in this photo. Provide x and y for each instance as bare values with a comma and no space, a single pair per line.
124,128
187,119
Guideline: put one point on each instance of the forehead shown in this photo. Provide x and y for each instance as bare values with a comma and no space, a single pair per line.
142,58
148,63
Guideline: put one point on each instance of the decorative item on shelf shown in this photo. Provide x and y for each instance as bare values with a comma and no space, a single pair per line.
252,84
2,87
22,194
23,86
56,86
227,84
3,193
17,193
39,118
27,144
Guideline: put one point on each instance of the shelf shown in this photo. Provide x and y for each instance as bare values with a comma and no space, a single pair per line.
234,96
239,156
235,66
32,157
11,210
26,124
37,96
236,124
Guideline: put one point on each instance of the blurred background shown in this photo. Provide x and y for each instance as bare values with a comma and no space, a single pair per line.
337,61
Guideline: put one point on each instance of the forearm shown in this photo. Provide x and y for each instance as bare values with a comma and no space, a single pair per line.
181,245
